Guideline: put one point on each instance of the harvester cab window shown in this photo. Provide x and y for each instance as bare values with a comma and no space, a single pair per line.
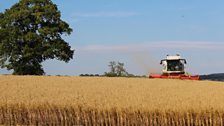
164,63
175,65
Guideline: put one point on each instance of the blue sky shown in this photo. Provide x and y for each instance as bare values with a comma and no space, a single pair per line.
140,33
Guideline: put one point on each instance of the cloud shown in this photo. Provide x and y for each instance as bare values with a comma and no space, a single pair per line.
184,45
115,14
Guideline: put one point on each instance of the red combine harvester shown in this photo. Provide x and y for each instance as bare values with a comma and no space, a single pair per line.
173,68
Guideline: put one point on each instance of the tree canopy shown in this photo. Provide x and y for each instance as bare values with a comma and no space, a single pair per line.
30,33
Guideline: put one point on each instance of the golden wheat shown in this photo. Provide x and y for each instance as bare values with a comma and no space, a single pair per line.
30,100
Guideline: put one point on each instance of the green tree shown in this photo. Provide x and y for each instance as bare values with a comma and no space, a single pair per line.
30,33
120,70
112,66
116,70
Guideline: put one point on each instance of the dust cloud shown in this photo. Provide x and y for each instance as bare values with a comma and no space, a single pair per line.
146,62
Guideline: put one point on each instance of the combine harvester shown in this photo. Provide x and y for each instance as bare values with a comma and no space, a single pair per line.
174,68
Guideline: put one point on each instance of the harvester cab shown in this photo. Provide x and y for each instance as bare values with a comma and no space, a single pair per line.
174,68
173,65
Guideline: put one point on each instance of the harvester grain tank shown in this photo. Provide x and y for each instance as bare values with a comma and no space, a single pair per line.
174,68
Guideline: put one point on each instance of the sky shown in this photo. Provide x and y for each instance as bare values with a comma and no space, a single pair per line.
139,33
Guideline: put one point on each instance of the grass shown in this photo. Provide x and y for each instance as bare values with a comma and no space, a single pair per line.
30,100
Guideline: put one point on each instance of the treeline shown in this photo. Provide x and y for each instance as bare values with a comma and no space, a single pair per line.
213,77
117,69
90,75
103,75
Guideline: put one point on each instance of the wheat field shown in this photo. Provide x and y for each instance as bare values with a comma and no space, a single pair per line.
49,100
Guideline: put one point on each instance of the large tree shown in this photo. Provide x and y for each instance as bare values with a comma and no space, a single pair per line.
30,33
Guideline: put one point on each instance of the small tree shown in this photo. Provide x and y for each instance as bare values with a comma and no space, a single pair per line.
30,33
112,66
116,70
120,70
